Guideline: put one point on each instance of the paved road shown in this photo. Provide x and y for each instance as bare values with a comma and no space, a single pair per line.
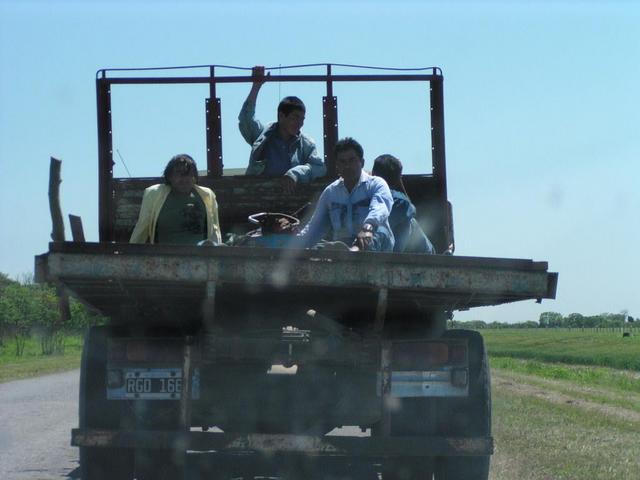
36,418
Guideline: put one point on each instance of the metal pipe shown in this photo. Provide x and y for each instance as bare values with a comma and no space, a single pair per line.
273,78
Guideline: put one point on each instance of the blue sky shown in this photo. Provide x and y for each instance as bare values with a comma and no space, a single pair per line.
541,112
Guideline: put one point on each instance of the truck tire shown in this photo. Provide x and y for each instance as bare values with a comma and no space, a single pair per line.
97,463
469,417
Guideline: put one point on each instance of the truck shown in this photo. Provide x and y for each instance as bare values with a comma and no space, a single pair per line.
258,360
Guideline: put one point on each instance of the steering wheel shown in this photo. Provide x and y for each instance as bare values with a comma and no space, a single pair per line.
274,222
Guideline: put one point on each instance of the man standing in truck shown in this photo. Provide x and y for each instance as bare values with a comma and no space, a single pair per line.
280,149
355,207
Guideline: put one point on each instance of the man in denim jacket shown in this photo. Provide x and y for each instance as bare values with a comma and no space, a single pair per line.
407,231
279,149
355,207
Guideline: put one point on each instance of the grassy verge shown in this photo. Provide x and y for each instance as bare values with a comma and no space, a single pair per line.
606,349
567,406
621,380
606,401
541,440
32,363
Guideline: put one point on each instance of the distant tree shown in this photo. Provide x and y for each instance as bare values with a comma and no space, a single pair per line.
475,324
610,320
627,318
496,325
46,323
555,320
4,323
4,282
82,317
550,320
530,324
574,320
27,308
468,324
17,310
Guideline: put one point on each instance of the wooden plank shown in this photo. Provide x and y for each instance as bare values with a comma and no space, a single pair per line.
383,447
241,196
77,231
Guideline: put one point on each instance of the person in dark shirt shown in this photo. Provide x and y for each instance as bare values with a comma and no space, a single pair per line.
409,236
178,211
279,149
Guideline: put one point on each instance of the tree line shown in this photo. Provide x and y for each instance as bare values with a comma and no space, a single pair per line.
29,310
557,320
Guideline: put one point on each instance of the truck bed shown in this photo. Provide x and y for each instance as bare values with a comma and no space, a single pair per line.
107,276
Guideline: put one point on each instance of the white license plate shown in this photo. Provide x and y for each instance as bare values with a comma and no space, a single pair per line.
153,384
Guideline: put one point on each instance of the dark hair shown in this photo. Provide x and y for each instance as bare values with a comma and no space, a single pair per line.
182,164
348,143
289,104
390,168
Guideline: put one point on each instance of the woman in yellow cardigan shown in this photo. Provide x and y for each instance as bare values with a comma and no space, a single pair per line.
178,211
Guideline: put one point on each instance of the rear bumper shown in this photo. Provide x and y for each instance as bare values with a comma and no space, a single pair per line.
322,446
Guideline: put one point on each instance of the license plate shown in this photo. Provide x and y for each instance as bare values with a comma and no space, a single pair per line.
153,384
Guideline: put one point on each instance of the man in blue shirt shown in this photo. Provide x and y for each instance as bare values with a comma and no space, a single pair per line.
355,208
280,149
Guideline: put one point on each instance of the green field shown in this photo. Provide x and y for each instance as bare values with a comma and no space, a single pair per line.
32,363
595,366
574,346
566,404
541,440
601,377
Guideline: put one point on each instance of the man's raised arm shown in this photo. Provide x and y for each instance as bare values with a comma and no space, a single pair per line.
250,127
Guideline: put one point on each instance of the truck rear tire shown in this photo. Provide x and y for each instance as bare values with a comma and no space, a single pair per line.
475,411
97,463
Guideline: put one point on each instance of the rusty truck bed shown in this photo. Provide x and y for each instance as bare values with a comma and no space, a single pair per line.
108,275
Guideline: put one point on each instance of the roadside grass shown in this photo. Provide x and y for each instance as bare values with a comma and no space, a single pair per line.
588,376
32,363
539,440
600,348
606,400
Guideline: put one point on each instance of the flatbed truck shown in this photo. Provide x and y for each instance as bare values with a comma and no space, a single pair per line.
279,362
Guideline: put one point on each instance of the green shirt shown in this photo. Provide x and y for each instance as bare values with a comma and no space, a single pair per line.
182,219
